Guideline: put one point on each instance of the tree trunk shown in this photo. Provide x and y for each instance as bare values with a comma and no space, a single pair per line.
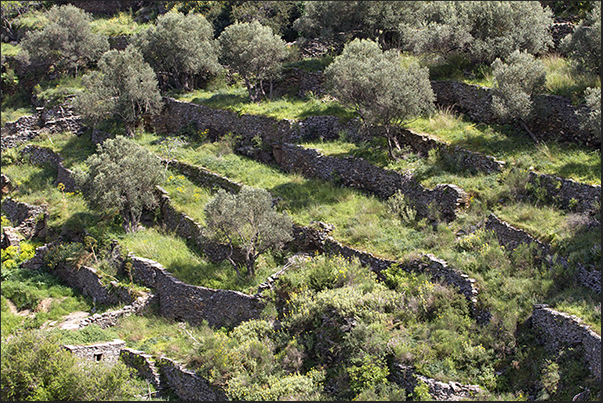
389,143
527,129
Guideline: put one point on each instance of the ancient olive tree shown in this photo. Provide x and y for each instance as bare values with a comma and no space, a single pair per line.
65,44
247,220
124,87
378,85
516,81
253,51
121,176
584,44
180,48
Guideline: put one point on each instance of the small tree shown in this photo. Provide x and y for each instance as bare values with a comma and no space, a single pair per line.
584,44
379,87
65,44
181,47
516,81
248,220
124,87
121,176
254,52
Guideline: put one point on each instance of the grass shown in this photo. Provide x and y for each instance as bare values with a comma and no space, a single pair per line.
189,265
563,80
119,24
236,99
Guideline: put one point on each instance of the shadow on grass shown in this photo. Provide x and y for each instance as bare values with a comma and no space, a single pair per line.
77,149
222,101
299,196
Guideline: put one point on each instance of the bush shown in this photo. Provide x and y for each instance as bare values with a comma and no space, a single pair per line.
591,121
35,367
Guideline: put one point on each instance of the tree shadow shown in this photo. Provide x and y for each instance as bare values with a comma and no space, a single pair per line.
299,196
223,101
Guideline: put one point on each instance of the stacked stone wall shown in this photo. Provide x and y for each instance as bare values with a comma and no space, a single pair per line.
41,155
566,193
29,220
194,304
557,330
187,385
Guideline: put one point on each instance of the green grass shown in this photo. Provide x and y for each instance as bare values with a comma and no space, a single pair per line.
119,24
186,196
563,80
236,99
189,265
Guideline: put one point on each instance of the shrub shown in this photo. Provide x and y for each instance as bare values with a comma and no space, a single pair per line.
591,121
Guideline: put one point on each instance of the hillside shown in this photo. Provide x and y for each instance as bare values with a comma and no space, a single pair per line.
455,256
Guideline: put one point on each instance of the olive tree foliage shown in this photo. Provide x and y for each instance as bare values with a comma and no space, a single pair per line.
124,87
65,44
253,51
121,176
516,81
481,30
379,87
181,48
278,15
590,120
584,44
248,220
344,21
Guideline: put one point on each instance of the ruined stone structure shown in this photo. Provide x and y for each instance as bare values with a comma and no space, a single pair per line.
557,330
101,352
187,385
41,155
58,119
29,220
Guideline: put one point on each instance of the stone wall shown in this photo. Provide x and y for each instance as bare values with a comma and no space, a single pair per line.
102,352
358,173
511,237
187,385
194,304
203,177
29,220
41,155
143,364
566,193
557,330
109,319
54,120
555,116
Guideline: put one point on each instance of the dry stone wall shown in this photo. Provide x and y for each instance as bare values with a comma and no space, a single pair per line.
30,220
41,155
358,173
557,330
194,304
187,385
566,193
511,238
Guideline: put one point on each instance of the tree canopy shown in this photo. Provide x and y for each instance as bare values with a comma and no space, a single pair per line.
65,44
125,86
584,44
253,51
379,86
180,47
121,176
248,220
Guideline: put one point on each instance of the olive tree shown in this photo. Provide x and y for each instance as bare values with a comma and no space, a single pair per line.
516,81
480,30
591,120
379,87
65,44
253,51
121,176
125,87
248,220
584,44
180,47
